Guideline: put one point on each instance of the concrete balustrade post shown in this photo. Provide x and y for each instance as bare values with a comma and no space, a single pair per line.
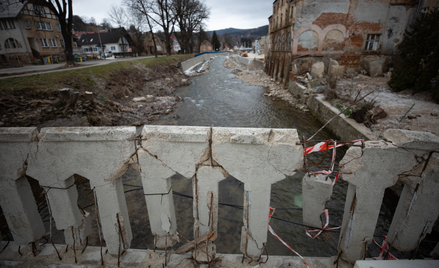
16,198
169,150
316,190
369,171
205,188
156,180
100,154
417,211
258,158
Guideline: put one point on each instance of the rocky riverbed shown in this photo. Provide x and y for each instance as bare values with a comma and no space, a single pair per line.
422,111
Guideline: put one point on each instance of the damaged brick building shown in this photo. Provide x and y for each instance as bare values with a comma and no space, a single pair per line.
302,32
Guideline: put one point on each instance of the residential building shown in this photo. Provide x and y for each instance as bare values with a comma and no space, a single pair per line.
206,46
29,32
345,30
115,40
149,44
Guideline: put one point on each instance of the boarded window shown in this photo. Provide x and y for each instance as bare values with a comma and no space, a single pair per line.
372,42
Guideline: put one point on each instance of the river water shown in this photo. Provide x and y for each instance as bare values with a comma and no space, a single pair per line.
219,99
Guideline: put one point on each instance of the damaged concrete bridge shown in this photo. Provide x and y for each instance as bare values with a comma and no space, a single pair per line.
257,157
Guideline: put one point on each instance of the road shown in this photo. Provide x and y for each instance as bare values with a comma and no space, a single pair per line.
49,68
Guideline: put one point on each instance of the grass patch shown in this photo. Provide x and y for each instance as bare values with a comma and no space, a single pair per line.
78,79
342,107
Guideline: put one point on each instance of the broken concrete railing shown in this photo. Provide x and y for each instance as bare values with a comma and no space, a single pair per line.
20,210
52,157
258,158
408,156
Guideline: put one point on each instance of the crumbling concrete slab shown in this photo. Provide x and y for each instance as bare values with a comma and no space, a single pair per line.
16,199
413,140
369,171
316,190
258,158
179,148
373,66
317,69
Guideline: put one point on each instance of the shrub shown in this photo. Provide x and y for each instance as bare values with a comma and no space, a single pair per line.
418,68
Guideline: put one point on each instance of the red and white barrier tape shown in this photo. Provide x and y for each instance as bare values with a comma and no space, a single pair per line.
384,249
270,214
324,227
323,146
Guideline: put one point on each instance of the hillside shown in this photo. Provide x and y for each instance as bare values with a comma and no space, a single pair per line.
233,32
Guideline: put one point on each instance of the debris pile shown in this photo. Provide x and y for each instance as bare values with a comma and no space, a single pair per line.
130,96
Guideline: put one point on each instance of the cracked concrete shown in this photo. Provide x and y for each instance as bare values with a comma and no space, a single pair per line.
21,213
258,158
369,172
63,152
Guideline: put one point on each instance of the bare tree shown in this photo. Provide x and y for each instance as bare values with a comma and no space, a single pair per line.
63,10
189,15
118,15
143,7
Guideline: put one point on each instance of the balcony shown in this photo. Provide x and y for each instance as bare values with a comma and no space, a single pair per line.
256,157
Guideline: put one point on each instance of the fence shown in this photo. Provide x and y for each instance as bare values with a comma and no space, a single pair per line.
256,157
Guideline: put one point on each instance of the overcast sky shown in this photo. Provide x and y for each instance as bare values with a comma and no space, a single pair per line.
244,14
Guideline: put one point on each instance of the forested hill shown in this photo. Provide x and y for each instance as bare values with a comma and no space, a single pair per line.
233,32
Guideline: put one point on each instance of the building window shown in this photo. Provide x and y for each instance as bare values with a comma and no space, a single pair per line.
113,48
53,42
7,25
48,26
289,42
95,49
62,42
85,49
58,27
278,43
372,42
12,43
43,25
26,24
44,42
283,42
39,11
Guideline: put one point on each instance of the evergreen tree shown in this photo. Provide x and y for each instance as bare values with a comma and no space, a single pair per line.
418,68
215,42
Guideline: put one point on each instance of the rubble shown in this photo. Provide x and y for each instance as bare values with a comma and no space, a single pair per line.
131,96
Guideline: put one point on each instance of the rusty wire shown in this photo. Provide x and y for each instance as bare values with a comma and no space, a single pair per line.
98,223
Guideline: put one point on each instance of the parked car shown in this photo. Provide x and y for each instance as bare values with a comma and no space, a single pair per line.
108,54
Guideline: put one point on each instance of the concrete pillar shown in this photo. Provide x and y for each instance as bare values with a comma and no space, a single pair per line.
258,158
16,198
369,171
316,190
169,150
417,210
100,154
80,233
156,180
205,187
206,203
